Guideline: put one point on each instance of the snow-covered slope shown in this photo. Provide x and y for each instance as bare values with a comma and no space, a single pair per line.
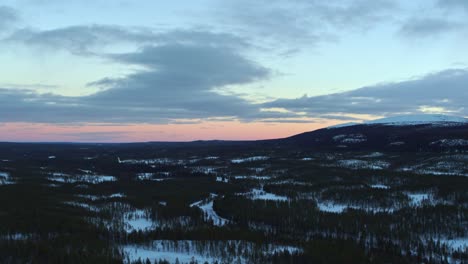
410,120
419,119
402,133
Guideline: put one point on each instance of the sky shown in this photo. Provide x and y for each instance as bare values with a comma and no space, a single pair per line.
142,70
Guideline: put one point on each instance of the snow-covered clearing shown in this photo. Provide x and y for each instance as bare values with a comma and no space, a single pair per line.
210,214
456,243
379,186
260,194
252,177
92,179
5,178
138,220
186,251
332,207
417,199
250,159
363,164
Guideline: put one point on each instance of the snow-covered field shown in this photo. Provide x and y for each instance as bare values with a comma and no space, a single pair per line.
249,159
450,142
419,119
210,214
373,155
5,178
252,177
138,220
101,197
185,251
161,161
417,199
92,179
260,194
456,243
331,207
350,139
380,186
363,164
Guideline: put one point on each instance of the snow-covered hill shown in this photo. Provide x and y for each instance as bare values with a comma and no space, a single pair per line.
418,119
401,133
404,120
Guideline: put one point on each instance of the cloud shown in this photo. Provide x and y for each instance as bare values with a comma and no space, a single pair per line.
179,76
303,21
432,27
454,4
96,39
443,17
446,91
81,39
8,16
155,100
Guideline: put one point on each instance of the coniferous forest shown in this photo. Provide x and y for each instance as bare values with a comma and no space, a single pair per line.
209,202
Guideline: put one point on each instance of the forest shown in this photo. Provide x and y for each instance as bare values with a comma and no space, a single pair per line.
230,203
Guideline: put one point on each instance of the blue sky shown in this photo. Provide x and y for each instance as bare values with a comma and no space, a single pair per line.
89,63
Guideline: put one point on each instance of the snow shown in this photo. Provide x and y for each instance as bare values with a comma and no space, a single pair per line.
418,198
344,125
379,186
160,161
149,176
93,179
373,155
83,205
363,164
201,251
350,139
52,157
145,176
137,220
451,142
260,194
222,179
210,214
5,178
456,244
153,254
117,195
257,170
86,171
101,197
16,236
331,207
205,169
418,119
249,159
443,168
252,177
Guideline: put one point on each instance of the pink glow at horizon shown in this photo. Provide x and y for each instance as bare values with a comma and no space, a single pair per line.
37,132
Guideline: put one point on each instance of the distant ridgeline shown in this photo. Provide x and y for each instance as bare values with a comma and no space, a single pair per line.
404,133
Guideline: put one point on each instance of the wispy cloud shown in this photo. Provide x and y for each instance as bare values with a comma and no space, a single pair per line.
444,90
8,16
